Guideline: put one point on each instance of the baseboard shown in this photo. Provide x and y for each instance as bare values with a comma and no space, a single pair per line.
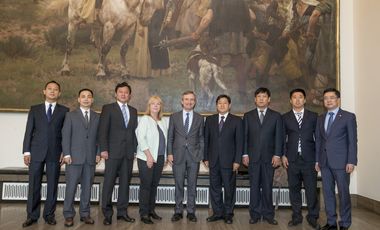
365,203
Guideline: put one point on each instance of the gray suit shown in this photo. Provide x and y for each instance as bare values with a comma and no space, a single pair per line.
80,143
187,150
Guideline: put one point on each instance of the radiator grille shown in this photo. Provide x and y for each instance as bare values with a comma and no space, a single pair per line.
165,194
19,191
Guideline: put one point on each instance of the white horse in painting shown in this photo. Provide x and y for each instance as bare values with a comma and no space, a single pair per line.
114,15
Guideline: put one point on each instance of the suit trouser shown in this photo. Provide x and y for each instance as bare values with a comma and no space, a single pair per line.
189,168
84,174
300,172
261,180
149,179
34,191
342,179
113,168
226,178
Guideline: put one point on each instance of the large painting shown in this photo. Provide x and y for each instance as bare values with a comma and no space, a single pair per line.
165,47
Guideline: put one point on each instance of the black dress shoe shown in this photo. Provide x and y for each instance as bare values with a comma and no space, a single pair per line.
313,223
191,217
343,228
177,217
155,216
126,218
50,221
28,222
293,223
329,227
146,220
214,218
271,221
228,219
254,221
107,221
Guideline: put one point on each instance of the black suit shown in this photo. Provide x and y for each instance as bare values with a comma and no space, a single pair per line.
261,143
121,144
43,140
301,163
222,149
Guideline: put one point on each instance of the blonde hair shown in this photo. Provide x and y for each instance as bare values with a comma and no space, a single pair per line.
150,101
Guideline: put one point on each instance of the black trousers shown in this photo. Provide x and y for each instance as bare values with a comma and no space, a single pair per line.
222,178
36,170
149,179
123,169
300,172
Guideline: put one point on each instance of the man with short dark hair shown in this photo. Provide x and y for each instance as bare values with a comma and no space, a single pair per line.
336,156
223,150
42,148
263,138
118,143
80,150
185,151
299,158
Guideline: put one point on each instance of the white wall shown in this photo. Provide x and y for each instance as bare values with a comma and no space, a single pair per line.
367,85
359,84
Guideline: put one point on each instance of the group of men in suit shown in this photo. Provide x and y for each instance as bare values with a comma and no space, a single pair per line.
303,142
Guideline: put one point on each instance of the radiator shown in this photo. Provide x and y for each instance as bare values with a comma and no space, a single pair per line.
19,191
165,194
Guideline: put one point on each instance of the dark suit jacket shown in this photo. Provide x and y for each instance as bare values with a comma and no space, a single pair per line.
78,140
306,133
263,141
340,146
179,140
42,138
227,145
113,136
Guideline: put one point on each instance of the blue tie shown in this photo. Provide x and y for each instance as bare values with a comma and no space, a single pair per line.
49,113
187,122
125,115
329,122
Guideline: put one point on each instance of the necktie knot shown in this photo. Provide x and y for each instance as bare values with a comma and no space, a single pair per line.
331,113
222,118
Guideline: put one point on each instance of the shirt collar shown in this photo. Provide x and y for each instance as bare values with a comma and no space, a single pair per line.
190,112
53,104
121,104
335,111
84,110
225,116
265,110
302,111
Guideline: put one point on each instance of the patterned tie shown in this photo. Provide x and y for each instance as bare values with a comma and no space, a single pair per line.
329,122
187,122
49,113
86,118
125,115
221,123
261,116
299,120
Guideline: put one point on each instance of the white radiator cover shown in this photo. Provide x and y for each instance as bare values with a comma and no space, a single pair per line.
165,194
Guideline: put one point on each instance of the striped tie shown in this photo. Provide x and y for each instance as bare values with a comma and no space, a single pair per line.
299,120
125,115
329,122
